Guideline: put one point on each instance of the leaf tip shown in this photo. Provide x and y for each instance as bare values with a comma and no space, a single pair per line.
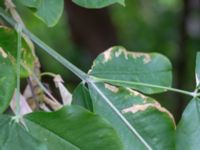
122,2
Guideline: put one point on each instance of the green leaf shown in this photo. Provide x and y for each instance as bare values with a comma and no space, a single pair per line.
97,3
198,70
8,42
15,137
132,69
7,81
188,129
73,128
81,96
154,123
49,11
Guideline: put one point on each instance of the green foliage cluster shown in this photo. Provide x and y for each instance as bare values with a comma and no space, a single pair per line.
115,110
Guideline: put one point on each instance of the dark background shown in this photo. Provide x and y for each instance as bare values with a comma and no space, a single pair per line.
170,27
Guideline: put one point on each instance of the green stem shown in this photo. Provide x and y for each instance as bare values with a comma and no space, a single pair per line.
48,74
19,45
143,84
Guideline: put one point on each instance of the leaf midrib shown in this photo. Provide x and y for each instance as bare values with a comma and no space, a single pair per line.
126,72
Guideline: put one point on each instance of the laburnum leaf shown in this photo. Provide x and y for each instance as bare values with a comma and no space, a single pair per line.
7,80
153,123
188,129
49,11
8,42
140,71
81,96
97,3
14,137
73,128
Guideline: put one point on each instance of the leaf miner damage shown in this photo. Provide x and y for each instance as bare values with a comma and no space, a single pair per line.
3,53
143,107
135,93
117,51
112,88
107,55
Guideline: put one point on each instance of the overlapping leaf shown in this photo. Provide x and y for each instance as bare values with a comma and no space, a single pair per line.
97,3
130,69
153,122
7,80
82,97
73,128
8,42
14,137
188,129
48,11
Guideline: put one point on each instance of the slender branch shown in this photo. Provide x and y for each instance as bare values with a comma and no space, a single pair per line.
12,8
18,29
34,96
54,105
144,84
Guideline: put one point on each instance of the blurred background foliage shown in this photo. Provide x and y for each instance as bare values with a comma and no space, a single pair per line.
170,27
